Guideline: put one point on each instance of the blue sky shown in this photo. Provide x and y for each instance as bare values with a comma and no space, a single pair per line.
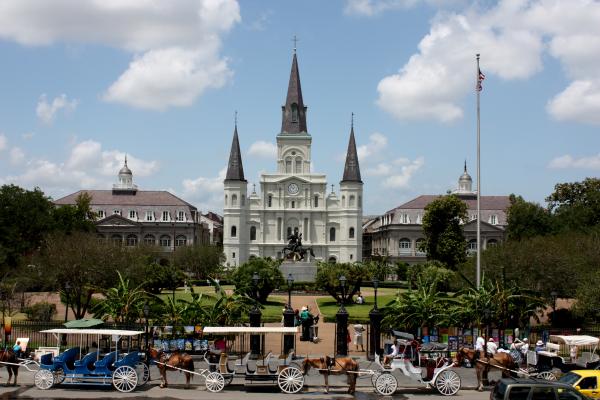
84,82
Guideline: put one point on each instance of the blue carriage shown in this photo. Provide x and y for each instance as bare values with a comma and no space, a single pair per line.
124,371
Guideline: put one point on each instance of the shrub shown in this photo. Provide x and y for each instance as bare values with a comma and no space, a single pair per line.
43,311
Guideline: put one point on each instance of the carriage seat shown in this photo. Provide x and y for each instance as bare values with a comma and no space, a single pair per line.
46,360
104,365
586,358
66,360
224,365
243,361
86,364
552,347
130,359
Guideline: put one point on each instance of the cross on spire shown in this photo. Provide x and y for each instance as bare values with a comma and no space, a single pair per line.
235,118
295,40
254,188
352,121
332,188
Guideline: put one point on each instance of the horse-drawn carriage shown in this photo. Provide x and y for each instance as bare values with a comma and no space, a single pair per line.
267,369
564,354
124,371
428,363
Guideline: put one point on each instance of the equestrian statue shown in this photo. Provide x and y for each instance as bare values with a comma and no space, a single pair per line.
294,250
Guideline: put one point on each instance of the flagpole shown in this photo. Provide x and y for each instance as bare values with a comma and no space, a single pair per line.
478,182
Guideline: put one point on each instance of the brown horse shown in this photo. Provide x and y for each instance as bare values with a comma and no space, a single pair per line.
9,356
333,366
172,362
483,363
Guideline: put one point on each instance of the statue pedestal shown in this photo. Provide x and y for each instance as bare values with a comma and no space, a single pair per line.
300,270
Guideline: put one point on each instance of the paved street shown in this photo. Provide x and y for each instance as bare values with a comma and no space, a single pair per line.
313,389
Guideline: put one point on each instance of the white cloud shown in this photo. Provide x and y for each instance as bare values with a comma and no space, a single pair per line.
46,111
261,22
401,179
568,161
28,135
3,141
176,44
380,169
16,156
87,167
263,149
377,142
205,193
370,8
433,82
579,102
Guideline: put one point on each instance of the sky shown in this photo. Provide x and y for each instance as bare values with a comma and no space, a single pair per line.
84,82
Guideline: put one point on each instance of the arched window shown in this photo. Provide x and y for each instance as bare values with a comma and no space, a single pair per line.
332,259
351,201
288,165
351,233
332,234
298,165
233,231
150,240
472,246
131,240
294,112
343,201
116,239
180,240
234,200
269,201
252,257
252,233
225,199
316,200
492,243
165,241
405,246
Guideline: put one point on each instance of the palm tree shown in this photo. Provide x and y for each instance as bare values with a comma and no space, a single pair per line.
122,303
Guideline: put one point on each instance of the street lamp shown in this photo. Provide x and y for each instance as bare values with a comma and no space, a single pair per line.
341,318
486,315
146,311
288,318
375,318
255,316
67,288
554,295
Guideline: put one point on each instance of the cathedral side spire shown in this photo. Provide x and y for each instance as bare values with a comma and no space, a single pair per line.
235,169
294,111
352,168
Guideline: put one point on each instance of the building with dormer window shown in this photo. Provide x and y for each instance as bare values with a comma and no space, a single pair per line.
257,224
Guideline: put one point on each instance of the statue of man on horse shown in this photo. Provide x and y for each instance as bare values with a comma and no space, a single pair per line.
294,249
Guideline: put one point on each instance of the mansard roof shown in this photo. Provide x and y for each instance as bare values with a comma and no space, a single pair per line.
139,198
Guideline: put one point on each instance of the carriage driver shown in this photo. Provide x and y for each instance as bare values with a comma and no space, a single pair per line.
393,353
17,349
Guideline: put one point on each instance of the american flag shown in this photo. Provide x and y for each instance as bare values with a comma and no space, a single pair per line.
480,78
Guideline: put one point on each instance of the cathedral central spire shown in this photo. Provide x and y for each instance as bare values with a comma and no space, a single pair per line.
294,112
235,169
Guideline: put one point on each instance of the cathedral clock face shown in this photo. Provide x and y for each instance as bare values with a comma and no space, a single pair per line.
293,188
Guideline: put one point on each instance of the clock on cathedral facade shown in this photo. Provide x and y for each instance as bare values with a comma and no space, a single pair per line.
258,224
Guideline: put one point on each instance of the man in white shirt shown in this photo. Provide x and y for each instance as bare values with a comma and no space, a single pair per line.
492,347
479,343
394,352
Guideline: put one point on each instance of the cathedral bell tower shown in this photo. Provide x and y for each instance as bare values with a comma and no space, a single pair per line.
234,210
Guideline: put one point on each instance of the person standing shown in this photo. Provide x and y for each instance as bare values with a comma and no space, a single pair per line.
358,336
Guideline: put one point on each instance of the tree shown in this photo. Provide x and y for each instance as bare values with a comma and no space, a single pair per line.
122,303
526,220
444,239
268,272
201,260
25,218
75,218
576,205
588,300
355,273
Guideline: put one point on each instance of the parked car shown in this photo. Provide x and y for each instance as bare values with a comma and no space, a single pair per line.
584,380
533,389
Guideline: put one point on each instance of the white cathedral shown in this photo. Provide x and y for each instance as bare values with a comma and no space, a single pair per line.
259,224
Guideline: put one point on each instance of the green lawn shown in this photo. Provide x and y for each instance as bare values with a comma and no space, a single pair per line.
358,312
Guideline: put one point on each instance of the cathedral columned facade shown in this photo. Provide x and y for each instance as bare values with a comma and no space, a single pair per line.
257,224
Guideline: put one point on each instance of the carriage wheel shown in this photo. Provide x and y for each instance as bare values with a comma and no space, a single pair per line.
59,376
125,379
215,382
448,383
374,377
43,379
290,380
143,373
547,375
386,384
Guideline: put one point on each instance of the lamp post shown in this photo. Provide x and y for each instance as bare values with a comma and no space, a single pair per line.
146,311
554,295
486,315
375,318
255,316
341,319
288,318
67,288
